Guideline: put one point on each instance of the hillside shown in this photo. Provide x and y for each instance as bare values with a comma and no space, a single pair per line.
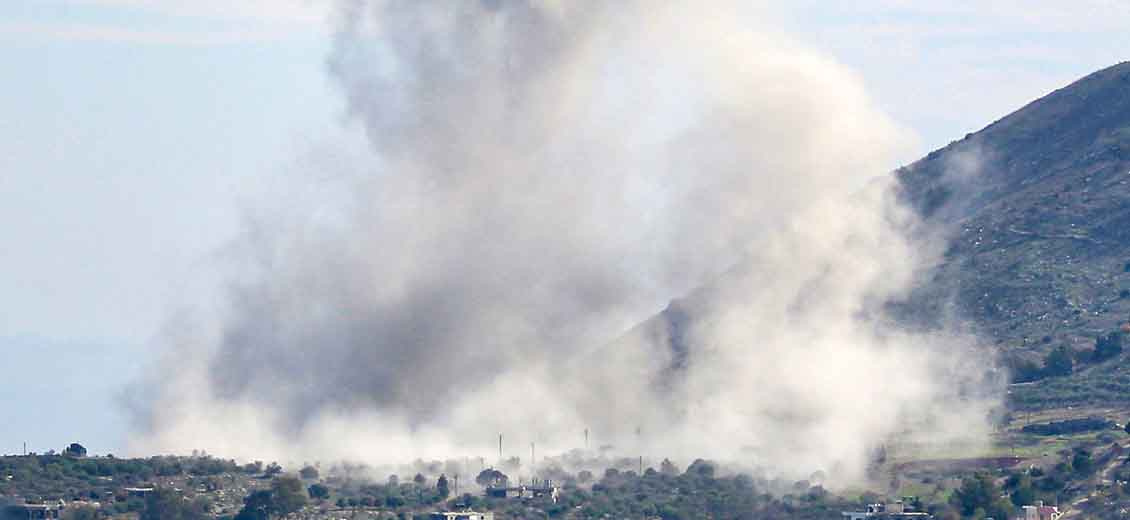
1038,205
1037,210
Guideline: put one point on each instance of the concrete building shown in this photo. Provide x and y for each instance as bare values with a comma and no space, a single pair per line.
1039,512
893,511
33,511
74,450
539,489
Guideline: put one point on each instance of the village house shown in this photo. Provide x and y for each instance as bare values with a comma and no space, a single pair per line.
893,511
1039,512
34,511
539,489
74,450
138,492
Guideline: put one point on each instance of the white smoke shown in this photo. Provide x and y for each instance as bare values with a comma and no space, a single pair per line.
546,175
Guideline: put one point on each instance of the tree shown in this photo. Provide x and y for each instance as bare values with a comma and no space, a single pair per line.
272,470
165,503
308,473
212,484
1023,496
491,477
80,513
256,506
1023,370
441,486
1082,463
701,468
1001,508
419,479
288,495
74,450
976,493
394,501
668,468
1058,362
318,491
285,496
1107,347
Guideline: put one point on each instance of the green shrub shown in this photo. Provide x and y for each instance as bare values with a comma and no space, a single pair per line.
1059,362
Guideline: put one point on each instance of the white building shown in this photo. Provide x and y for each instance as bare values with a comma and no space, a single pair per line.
892,511
462,515
1039,512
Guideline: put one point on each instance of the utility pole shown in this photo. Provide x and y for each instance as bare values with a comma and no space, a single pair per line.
586,439
500,447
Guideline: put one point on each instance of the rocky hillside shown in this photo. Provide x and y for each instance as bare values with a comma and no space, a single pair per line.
1037,210
1038,205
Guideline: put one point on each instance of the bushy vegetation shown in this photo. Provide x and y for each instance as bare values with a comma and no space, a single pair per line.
1069,426
285,496
1062,361
702,490
979,497
393,494
53,477
169,504
1106,384
104,481
1107,347
696,493
1058,363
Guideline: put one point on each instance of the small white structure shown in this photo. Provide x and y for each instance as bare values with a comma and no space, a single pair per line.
894,511
139,492
462,515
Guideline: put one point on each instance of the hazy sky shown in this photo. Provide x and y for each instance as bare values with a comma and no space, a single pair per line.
134,133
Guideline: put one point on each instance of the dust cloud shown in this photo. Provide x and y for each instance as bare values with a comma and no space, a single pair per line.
666,223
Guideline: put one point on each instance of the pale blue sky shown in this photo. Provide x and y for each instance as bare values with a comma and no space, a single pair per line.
132,133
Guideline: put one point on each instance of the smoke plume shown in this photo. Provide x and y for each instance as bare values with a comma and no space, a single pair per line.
545,177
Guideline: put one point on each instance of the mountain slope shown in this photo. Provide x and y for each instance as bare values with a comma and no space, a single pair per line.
1035,209
1038,207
